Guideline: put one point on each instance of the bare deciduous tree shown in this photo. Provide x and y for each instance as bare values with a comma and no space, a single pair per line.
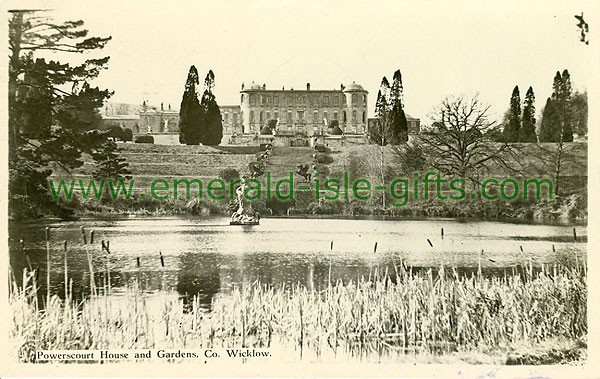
457,140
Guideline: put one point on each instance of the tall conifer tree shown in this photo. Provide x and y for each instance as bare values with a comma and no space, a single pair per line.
191,125
557,123
513,123
399,124
566,97
527,132
549,131
212,114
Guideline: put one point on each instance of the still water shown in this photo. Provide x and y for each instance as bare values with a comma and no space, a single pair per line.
207,256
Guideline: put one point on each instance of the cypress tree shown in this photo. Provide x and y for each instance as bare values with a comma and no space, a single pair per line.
513,123
212,114
191,120
527,132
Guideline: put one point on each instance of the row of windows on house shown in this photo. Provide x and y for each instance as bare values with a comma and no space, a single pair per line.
301,116
301,128
315,99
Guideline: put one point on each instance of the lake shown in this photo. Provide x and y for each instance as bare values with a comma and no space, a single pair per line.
206,256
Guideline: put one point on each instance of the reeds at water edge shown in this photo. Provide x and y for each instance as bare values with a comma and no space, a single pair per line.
401,311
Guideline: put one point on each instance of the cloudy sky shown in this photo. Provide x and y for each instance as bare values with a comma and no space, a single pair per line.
441,47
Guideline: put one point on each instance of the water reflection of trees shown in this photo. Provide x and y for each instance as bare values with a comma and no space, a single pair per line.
199,276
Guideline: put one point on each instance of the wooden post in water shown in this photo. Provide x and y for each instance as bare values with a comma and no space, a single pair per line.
66,274
553,249
138,261
107,264
375,247
92,237
428,241
574,235
442,233
162,260
83,236
47,265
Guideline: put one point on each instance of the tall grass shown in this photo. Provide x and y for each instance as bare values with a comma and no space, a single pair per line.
401,311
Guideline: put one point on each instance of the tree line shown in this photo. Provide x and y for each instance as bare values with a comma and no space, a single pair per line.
199,120
564,114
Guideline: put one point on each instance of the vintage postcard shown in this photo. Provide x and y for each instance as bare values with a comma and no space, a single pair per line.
285,188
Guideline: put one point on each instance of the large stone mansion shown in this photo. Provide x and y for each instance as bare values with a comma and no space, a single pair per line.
296,117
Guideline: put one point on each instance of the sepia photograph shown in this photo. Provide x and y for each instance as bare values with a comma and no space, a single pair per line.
299,188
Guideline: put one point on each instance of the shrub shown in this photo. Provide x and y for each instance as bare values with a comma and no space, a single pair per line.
322,149
144,139
127,135
229,174
116,133
322,169
324,158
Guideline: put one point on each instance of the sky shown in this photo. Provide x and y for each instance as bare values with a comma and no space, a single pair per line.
441,47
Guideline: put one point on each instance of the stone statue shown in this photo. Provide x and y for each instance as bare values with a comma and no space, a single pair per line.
245,214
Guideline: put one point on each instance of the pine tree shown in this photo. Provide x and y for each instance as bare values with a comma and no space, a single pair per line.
527,132
513,123
212,114
191,120
53,110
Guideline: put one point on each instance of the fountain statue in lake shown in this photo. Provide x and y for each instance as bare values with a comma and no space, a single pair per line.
245,214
